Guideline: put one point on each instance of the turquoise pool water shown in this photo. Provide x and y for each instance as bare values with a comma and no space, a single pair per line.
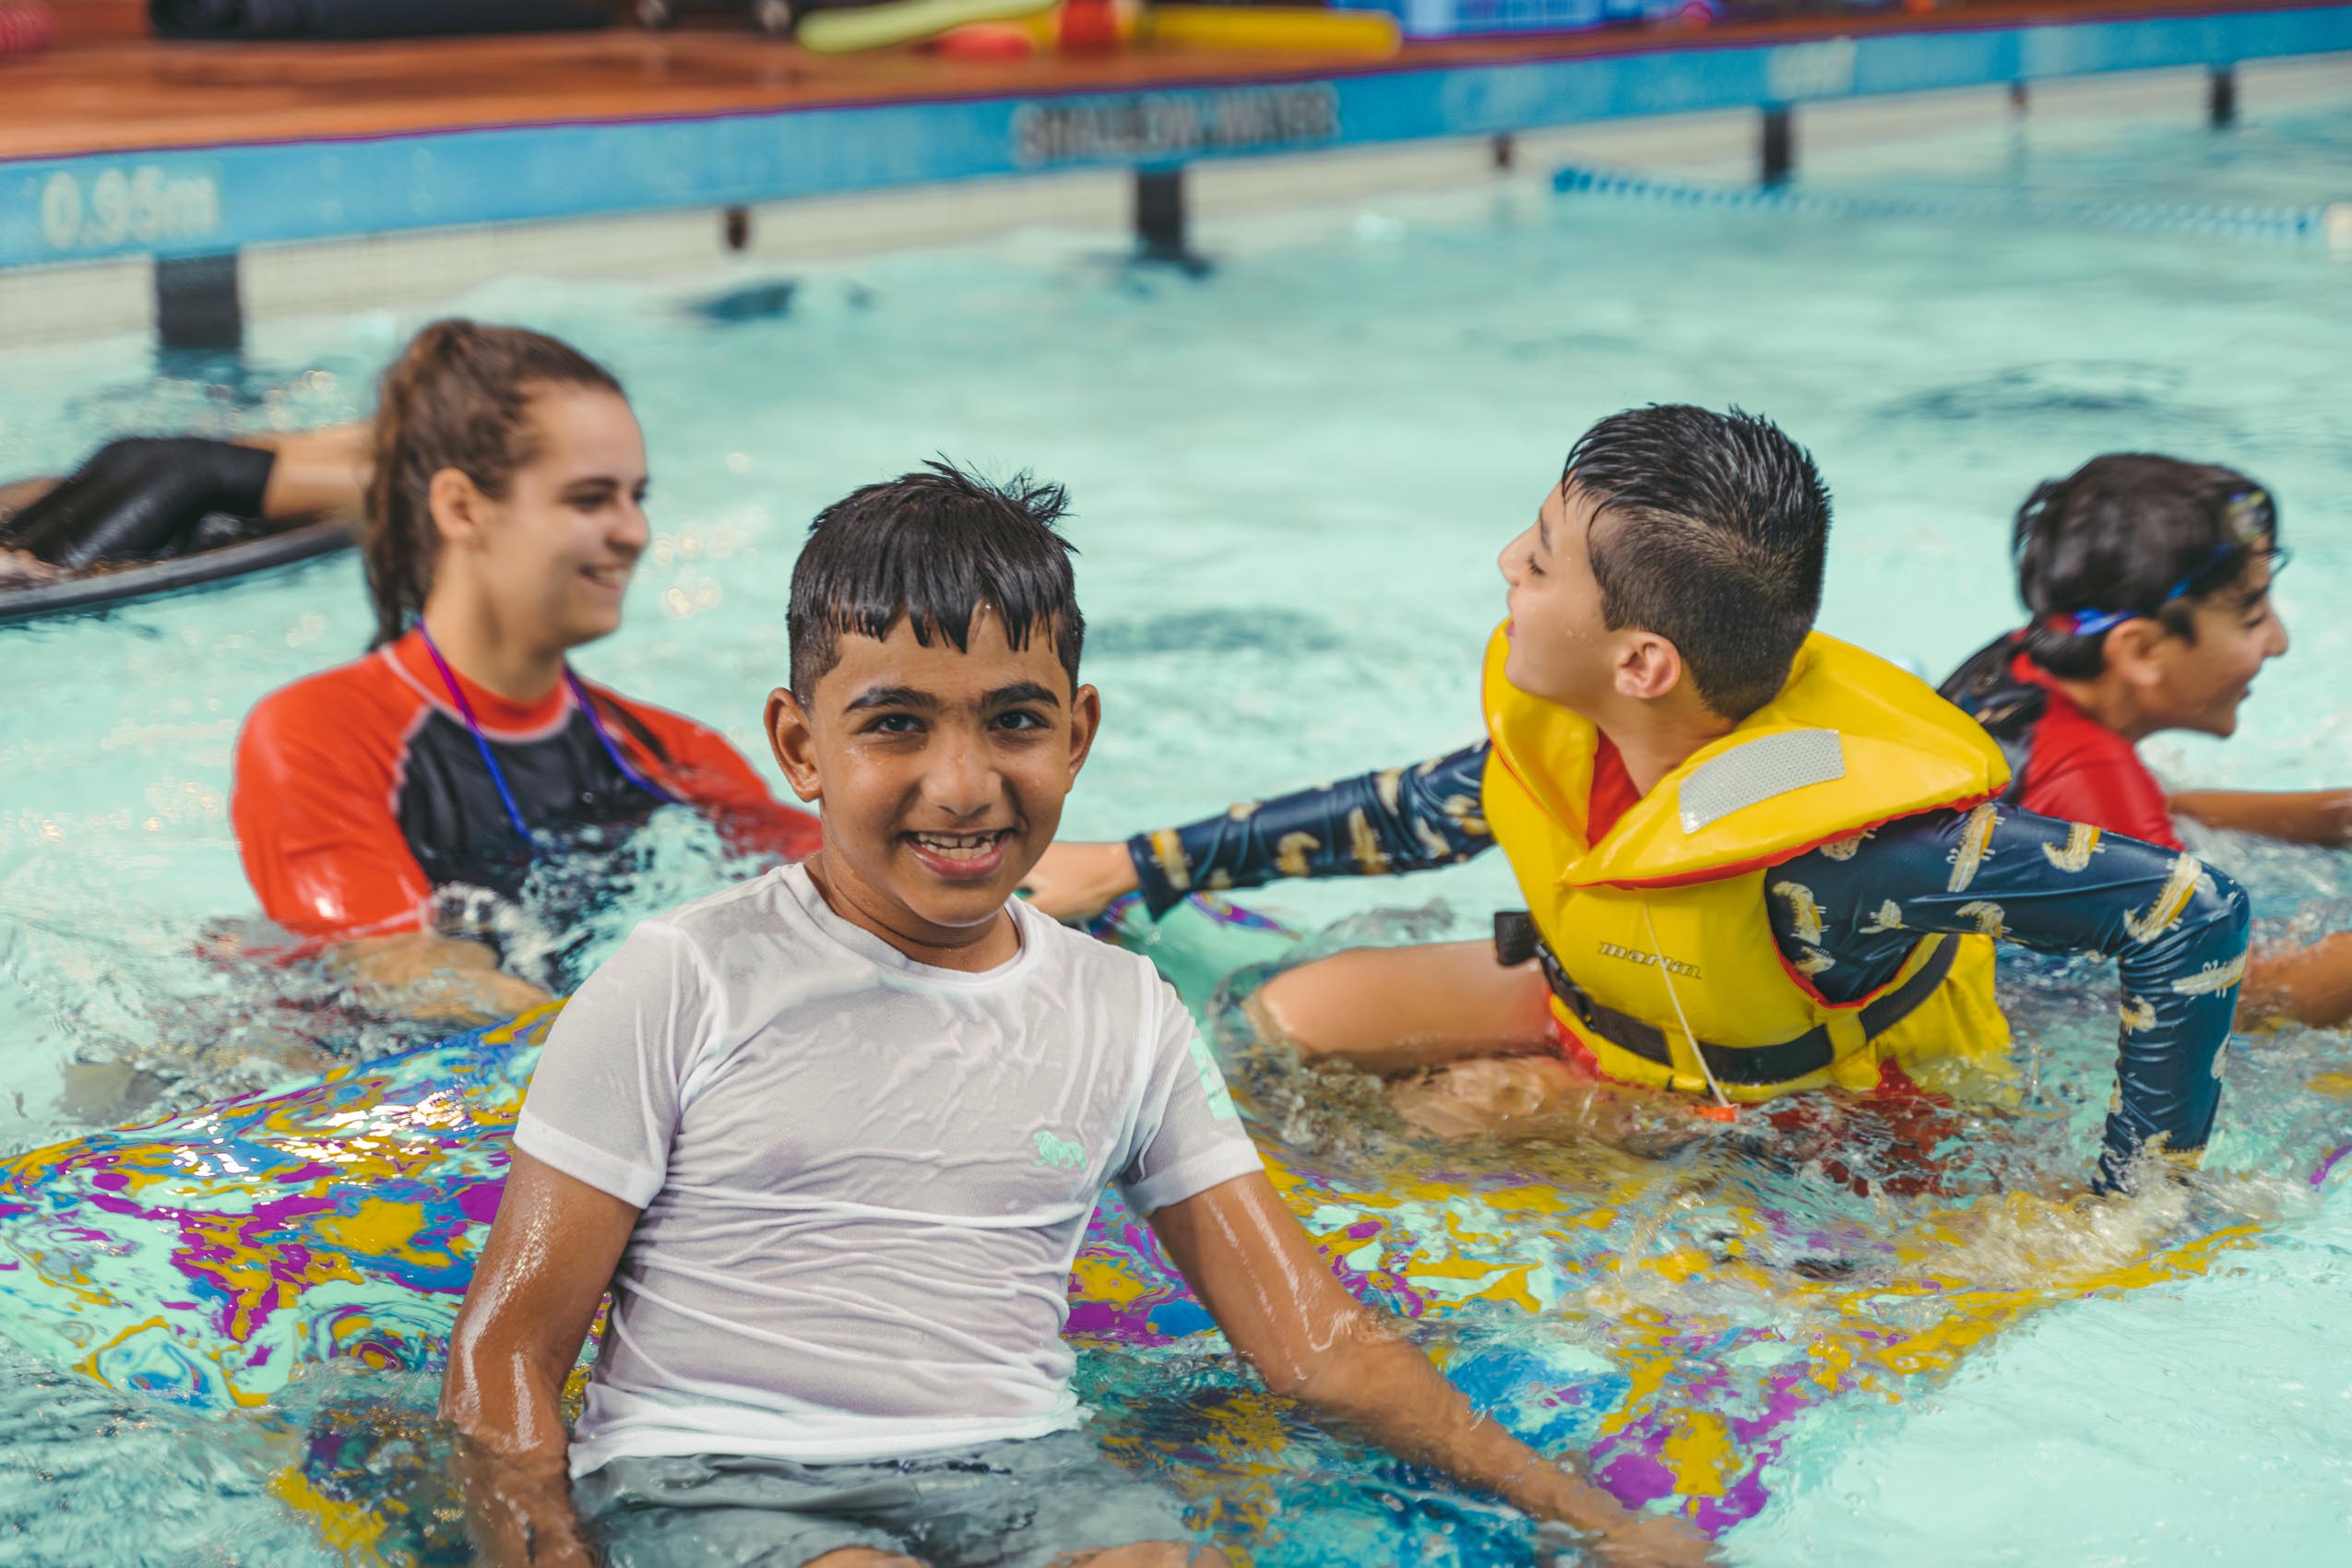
1292,476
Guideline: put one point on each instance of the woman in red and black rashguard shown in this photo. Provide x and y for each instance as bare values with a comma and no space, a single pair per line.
2149,581
379,805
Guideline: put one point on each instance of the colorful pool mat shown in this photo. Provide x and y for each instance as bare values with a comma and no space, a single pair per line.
210,1258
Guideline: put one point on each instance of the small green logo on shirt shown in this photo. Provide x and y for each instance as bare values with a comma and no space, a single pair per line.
1055,1155
1213,1089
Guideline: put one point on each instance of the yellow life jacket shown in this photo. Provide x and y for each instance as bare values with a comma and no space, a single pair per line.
1662,929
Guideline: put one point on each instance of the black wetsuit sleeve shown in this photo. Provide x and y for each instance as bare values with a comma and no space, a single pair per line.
140,498
1848,914
1400,819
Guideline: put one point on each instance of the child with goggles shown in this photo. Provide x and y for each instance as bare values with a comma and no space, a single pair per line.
2148,579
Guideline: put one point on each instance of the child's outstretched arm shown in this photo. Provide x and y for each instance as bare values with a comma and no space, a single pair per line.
1398,819
1308,1340
2176,928
2294,817
2310,984
550,1254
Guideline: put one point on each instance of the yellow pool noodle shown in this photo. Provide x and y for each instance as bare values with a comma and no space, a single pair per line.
1273,28
1299,29
849,28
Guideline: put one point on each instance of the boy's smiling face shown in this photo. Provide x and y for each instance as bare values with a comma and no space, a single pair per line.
2203,681
940,773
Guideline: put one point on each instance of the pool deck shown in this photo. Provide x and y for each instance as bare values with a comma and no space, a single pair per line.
118,95
126,147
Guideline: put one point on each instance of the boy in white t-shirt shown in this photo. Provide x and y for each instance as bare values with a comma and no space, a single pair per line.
831,1138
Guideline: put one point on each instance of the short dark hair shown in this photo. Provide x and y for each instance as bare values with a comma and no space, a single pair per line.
932,548
2120,535
1710,529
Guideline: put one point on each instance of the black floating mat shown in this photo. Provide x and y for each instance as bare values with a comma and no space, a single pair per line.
103,589
368,19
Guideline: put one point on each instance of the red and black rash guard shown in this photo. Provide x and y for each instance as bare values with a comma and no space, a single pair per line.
2062,762
359,793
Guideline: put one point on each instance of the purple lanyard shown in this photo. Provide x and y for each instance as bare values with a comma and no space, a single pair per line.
498,775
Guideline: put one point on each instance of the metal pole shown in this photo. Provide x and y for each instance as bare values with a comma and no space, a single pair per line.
2221,97
197,302
1160,214
1779,145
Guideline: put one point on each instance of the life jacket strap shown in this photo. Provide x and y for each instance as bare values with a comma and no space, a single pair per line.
1753,1067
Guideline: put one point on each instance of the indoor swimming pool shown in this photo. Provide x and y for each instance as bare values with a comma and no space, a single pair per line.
1290,474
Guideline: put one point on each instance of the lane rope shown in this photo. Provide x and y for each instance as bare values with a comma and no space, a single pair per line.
2324,222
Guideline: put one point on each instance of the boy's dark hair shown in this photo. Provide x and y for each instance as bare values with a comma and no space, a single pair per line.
1711,531
932,548
2132,533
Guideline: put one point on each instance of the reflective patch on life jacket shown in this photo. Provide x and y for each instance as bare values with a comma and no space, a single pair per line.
1763,769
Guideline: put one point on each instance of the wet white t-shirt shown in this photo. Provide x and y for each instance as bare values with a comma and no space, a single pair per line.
863,1178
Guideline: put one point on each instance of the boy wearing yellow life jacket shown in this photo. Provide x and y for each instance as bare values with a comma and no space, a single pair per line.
1756,860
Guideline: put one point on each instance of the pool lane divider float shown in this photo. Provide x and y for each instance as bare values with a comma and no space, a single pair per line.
207,1258
2329,222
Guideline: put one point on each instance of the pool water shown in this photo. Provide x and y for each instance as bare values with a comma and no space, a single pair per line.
1292,476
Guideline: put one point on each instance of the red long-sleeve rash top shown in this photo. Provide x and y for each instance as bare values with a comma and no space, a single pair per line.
2080,771
360,791
2062,761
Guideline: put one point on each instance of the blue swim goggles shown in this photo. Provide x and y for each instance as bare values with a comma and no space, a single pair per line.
498,775
2252,525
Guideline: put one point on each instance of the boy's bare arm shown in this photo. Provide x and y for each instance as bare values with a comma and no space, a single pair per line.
550,1254
2295,817
1307,1339
1075,881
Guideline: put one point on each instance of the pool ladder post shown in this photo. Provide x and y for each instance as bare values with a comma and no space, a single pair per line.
1779,145
198,304
1160,219
2221,97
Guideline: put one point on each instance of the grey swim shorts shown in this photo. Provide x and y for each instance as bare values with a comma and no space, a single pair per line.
1018,1505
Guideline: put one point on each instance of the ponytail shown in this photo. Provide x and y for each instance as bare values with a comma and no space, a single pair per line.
458,396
